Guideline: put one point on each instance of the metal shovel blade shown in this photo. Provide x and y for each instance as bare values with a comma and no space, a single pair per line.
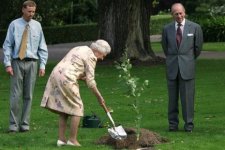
117,133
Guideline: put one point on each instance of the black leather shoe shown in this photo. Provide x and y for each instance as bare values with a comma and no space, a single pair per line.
24,130
11,131
188,130
173,129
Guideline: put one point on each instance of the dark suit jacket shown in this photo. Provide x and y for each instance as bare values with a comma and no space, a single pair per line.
182,58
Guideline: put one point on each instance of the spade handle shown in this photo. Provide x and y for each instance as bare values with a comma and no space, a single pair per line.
108,114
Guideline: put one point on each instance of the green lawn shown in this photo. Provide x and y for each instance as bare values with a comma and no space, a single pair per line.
210,46
209,129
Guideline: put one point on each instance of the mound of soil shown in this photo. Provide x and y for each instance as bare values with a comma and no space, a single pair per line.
147,140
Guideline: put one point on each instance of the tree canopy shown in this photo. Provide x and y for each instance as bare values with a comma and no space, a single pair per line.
52,12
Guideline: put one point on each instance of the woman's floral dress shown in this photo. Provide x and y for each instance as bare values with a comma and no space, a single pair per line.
62,94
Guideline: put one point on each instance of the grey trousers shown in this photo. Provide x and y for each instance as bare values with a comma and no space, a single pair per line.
21,85
185,89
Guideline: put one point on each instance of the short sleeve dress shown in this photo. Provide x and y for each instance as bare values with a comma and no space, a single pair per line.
62,94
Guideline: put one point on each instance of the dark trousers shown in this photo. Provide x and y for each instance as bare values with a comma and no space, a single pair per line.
185,89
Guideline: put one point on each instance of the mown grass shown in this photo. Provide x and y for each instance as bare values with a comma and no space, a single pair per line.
209,46
209,129
214,46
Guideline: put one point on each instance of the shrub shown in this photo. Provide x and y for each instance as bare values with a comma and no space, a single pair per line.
71,33
65,34
157,22
213,28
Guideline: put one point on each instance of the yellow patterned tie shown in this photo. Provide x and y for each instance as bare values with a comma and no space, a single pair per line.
23,46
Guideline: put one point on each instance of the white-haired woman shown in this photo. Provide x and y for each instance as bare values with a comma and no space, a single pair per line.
62,94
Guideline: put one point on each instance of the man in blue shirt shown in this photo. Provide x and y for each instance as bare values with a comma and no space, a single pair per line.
23,69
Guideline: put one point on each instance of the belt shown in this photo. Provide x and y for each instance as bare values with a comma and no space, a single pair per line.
26,59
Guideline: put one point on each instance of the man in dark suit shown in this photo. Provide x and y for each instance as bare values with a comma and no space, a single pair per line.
182,43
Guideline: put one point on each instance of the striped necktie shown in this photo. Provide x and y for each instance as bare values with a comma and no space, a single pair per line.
178,35
23,46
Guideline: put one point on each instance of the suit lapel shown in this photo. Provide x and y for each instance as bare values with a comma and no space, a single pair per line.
185,32
173,33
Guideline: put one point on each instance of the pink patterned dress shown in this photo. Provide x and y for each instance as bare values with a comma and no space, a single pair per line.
62,90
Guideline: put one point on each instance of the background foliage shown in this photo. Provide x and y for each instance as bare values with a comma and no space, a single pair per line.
55,16
52,12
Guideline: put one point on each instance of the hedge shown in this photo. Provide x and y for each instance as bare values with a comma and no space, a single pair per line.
213,30
65,34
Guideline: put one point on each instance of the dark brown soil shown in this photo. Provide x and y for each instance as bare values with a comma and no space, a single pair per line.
147,140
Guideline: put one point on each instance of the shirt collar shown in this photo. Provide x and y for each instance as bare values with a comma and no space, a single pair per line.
25,22
182,23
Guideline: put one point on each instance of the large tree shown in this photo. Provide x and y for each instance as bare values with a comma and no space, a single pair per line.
125,24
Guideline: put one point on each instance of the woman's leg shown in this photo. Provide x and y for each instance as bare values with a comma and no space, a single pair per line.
75,120
62,126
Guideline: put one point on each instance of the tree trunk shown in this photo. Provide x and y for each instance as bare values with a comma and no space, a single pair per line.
125,25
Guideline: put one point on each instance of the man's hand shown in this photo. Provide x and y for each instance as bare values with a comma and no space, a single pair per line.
9,70
41,72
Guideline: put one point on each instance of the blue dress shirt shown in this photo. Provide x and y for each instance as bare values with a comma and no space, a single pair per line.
36,45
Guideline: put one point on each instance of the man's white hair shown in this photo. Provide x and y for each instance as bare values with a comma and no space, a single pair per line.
102,46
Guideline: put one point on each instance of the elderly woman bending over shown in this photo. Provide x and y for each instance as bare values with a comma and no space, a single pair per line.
62,94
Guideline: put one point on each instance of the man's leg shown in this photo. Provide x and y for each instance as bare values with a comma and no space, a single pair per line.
187,91
173,109
16,89
30,74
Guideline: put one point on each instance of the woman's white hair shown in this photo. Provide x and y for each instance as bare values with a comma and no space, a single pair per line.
102,46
